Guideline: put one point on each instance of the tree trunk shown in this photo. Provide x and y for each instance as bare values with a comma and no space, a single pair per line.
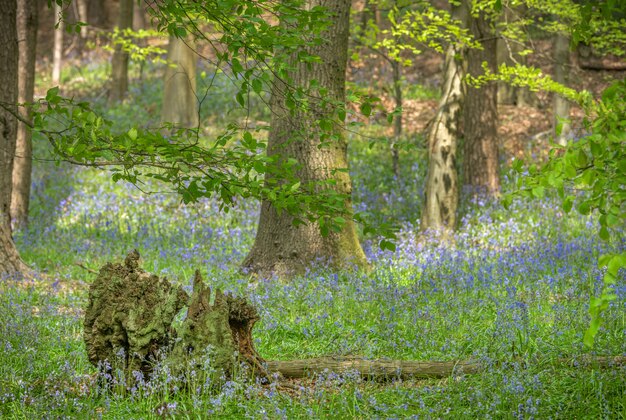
119,62
442,190
397,121
10,262
480,157
139,15
280,247
83,16
561,72
22,165
57,54
97,14
508,52
180,105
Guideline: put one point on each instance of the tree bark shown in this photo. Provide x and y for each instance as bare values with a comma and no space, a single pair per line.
180,105
508,52
407,369
22,165
442,190
57,54
480,157
10,261
397,121
561,72
83,16
119,62
280,247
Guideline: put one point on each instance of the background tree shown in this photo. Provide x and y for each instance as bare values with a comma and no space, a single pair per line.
119,62
22,165
280,246
10,261
561,104
442,191
180,104
481,168
57,54
510,48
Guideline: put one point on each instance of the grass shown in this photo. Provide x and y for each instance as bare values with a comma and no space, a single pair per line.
512,291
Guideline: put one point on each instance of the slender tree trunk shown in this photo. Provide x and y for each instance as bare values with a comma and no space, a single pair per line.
22,165
442,190
280,247
561,72
10,262
83,16
119,62
397,122
180,105
508,52
57,54
480,157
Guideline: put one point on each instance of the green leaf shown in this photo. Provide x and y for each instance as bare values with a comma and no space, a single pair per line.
132,133
240,99
387,245
257,86
366,109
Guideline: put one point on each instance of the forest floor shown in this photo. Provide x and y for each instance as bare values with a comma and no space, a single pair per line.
511,291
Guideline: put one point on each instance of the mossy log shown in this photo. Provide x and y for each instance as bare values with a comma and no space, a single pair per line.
406,369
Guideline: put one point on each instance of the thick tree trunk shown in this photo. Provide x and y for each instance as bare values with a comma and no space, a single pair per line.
119,62
57,54
180,105
280,247
442,189
561,72
480,157
22,165
10,262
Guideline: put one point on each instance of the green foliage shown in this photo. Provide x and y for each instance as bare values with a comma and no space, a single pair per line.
590,175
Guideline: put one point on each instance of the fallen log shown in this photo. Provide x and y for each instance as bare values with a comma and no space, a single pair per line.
372,369
406,369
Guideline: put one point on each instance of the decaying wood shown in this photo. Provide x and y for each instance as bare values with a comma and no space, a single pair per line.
130,313
405,369
372,369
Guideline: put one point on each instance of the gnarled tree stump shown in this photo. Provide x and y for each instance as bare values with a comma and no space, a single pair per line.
130,312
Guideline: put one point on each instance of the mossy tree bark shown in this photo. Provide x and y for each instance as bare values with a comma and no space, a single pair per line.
130,315
561,73
280,247
10,262
22,165
180,105
480,152
119,62
442,190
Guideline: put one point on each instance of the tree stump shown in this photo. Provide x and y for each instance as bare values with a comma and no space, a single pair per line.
131,312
